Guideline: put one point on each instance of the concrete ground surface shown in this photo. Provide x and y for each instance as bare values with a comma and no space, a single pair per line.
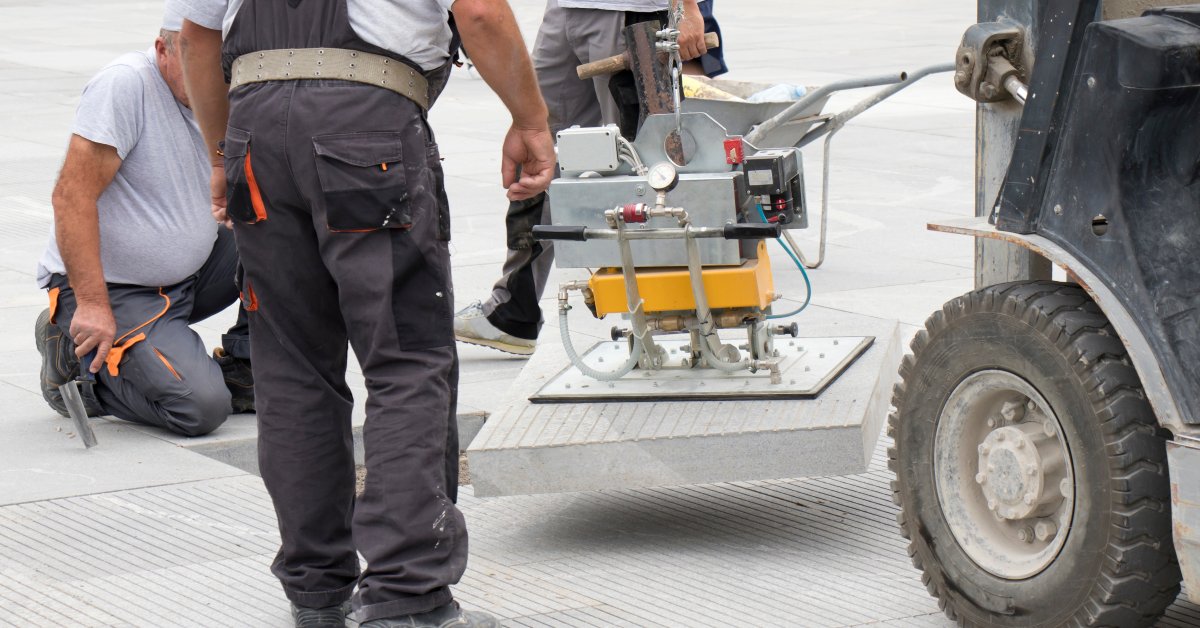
145,530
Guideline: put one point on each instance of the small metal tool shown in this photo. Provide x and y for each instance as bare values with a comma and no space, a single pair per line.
74,399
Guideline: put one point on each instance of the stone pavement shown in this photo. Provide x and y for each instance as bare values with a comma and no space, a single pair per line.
142,531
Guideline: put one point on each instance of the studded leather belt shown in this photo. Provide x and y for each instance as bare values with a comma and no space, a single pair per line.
332,64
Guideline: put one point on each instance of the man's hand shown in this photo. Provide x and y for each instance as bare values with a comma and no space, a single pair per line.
691,31
93,327
216,188
528,162
490,32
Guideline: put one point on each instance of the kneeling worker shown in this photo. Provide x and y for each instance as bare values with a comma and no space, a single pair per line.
136,256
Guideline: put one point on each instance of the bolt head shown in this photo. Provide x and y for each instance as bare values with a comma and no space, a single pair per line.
1000,437
1021,444
1029,497
1045,530
991,504
1025,535
1065,487
1030,405
1012,411
991,422
984,449
1031,471
980,478
1049,429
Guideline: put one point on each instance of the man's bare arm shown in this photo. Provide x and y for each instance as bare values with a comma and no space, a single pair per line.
489,31
208,93
88,170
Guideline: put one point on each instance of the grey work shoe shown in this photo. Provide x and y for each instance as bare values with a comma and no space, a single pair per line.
327,617
472,327
448,616
59,364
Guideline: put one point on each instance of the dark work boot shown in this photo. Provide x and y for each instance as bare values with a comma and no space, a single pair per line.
59,365
328,617
239,379
448,616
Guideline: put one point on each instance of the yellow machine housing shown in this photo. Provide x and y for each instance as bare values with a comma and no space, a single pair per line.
670,289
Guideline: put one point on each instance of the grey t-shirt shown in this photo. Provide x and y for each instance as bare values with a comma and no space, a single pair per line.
414,29
156,227
641,6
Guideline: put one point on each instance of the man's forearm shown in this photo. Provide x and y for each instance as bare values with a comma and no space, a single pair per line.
77,231
205,82
491,36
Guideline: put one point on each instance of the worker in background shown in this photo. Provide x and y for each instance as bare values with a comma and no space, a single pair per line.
334,187
135,258
572,33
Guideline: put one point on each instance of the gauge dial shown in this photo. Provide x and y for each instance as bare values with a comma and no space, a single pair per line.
663,177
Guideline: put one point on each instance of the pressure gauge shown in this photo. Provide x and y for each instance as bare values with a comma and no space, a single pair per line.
663,177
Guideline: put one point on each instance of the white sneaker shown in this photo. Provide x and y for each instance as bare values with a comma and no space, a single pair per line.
472,327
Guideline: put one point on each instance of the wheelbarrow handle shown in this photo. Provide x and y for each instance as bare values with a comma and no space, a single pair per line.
616,63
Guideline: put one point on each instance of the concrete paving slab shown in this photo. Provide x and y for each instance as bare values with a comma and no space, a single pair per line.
559,447
41,459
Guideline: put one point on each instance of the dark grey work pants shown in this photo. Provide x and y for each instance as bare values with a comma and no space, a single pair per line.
333,163
167,379
566,39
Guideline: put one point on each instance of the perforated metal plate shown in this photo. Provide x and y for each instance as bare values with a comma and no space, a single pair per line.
807,366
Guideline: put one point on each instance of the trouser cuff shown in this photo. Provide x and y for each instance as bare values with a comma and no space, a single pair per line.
237,345
527,331
404,606
319,599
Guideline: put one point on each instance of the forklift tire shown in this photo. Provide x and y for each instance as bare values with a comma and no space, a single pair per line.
1030,472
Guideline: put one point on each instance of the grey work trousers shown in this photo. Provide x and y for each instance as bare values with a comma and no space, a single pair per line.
567,39
333,163
162,375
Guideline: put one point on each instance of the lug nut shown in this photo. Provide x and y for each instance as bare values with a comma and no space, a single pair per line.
1012,411
980,478
1045,530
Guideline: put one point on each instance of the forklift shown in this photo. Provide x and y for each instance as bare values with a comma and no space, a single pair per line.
1047,433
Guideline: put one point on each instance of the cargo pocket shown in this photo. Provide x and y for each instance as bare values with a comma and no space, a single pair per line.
243,199
439,181
363,182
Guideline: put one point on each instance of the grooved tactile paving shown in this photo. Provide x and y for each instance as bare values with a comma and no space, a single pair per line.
822,553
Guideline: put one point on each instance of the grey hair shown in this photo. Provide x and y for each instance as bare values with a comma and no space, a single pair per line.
168,38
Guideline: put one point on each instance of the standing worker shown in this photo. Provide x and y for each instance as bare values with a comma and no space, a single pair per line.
573,32
324,162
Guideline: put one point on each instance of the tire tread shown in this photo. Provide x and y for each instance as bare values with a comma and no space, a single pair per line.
1141,578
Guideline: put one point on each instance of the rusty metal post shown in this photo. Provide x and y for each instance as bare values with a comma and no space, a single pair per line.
652,75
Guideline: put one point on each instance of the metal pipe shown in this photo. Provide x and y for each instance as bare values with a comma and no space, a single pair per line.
785,116
709,338
660,233
637,312
1019,90
846,115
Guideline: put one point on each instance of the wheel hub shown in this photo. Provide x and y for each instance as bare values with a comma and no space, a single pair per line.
1003,474
1015,465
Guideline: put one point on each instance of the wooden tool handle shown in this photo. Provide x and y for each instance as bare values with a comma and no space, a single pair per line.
616,63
